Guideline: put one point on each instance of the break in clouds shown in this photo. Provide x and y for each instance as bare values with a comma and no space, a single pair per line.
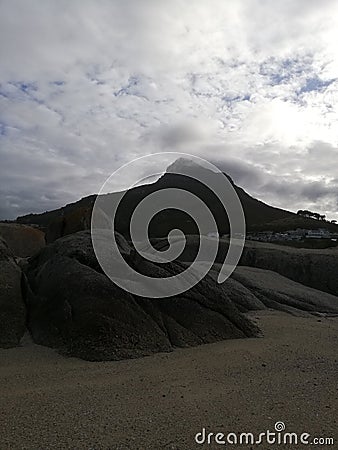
86,86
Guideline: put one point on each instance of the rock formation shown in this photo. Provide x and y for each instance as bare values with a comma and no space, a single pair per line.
316,268
12,307
23,240
77,309
255,289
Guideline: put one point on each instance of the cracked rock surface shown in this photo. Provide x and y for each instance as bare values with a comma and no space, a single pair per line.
75,308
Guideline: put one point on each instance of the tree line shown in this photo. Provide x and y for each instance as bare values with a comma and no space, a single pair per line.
312,215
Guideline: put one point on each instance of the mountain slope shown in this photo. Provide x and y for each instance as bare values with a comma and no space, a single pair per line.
259,216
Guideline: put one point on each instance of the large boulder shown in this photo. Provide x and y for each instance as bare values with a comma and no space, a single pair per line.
316,268
252,288
12,307
265,286
23,240
74,307
72,222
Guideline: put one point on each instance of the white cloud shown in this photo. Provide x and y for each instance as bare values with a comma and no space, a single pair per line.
87,86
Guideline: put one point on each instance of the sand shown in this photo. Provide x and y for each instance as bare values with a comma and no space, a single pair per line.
161,401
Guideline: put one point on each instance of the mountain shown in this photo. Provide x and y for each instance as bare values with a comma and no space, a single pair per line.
259,216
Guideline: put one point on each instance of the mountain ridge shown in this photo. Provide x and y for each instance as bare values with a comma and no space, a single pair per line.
259,215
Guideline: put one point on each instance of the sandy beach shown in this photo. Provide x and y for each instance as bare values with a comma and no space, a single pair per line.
162,401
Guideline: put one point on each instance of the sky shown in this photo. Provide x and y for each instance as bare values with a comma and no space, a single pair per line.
250,85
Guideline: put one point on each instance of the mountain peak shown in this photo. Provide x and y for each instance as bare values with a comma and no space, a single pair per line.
182,163
188,166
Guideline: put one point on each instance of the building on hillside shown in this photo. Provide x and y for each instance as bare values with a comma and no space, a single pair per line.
297,234
291,235
321,233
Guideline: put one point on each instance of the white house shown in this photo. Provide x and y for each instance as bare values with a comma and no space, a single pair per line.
321,233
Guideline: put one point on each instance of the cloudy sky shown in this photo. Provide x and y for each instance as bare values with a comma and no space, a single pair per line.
86,86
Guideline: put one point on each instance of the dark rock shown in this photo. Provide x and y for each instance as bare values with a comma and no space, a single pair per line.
316,268
268,289
23,240
74,307
12,307
76,220
278,292
79,310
